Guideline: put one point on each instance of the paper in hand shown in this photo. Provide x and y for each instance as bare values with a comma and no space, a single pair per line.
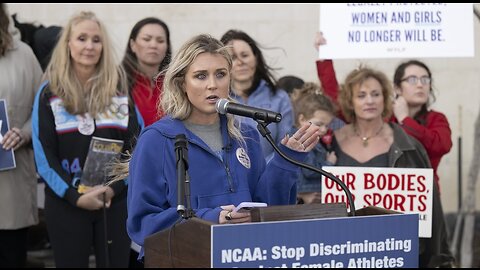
247,206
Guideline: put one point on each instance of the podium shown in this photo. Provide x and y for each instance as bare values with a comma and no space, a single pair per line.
186,245
189,243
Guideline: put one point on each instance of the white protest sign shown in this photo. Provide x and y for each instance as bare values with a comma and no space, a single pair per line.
396,30
405,190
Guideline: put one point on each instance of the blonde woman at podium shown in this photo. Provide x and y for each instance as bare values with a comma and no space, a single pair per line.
368,141
226,165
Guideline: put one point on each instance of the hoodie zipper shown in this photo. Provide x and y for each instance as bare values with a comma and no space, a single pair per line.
224,163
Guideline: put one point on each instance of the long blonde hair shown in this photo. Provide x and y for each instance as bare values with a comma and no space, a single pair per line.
109,79
174,100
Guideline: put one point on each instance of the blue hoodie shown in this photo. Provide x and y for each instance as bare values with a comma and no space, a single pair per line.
241,174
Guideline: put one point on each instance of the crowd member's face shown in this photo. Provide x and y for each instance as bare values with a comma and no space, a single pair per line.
368,100
207,80
85,44
150,45
320,118
244,61
415,86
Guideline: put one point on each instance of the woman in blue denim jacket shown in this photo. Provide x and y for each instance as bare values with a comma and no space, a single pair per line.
253,84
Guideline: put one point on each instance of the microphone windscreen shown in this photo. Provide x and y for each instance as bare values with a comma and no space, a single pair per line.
221,106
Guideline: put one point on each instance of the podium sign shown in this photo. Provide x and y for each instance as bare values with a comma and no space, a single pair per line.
381,241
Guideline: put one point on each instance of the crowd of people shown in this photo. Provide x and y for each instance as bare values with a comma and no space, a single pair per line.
154,95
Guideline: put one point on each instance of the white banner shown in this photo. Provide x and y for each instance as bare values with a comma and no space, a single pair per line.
405,190
396,30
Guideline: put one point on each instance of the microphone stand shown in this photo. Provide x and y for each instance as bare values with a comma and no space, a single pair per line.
262,128
181,172
188,210
183,179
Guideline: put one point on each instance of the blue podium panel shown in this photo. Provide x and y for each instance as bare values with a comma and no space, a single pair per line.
382,241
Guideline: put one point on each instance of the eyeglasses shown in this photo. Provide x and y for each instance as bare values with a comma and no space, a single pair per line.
413,80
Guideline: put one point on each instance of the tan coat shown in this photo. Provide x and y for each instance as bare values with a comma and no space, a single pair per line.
20,75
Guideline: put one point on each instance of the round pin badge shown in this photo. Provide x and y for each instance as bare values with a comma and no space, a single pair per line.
86,125
243,157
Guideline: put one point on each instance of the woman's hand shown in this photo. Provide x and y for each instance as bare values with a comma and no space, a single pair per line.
310,197
93,199
304,140
229,217
331,157
109,195
400,108
319,40
14,138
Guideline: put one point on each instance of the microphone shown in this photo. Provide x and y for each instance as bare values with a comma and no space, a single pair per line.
224,106
182,167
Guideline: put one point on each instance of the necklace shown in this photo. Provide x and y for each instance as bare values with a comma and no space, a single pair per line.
365,139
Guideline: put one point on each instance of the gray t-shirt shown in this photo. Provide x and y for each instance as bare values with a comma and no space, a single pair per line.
210,134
